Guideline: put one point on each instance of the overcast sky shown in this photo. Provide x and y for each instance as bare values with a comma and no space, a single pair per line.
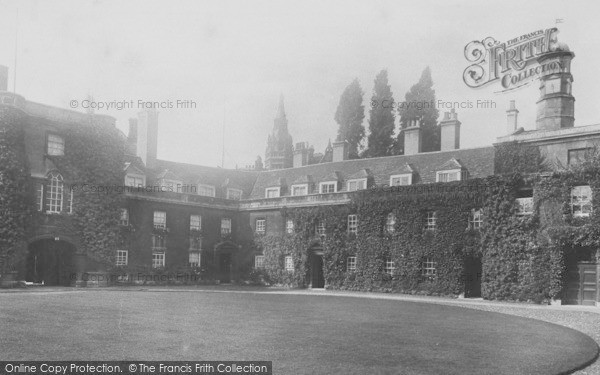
234,59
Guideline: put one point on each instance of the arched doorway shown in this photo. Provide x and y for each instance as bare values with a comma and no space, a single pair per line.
50,261
225,261
317,278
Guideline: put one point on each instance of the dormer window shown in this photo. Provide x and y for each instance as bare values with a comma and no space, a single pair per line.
401,179
206,190
134,177
55,145
235,194
300,189
272,192
134,180
328,187
170,185
358,184
450,175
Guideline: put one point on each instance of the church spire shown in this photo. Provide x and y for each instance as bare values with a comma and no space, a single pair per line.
280,109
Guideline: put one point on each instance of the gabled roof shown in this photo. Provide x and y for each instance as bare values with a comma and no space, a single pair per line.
198,174
304,179
405,169
451,164
478,161
363,173
168,175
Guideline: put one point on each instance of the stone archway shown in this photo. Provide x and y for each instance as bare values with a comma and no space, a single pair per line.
51,261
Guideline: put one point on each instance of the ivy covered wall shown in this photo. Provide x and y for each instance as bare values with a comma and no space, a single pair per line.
15,188
523,255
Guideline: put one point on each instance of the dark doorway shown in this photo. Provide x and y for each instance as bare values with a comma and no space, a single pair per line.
225,268
317,279
473,271
50,262
582,278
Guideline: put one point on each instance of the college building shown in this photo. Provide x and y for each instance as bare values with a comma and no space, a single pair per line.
513,220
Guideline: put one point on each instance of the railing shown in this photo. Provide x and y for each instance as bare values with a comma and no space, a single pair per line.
296,201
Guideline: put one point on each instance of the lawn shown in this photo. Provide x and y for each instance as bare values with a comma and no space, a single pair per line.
300,334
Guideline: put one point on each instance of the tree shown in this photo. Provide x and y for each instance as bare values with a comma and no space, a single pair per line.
420,104
381,119
349,115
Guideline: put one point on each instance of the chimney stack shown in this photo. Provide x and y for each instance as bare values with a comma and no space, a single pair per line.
450,131
340,151
412,138
512,115
147,136
301,154
3,78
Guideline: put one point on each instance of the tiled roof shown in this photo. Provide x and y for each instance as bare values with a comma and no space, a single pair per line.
478,161
198,174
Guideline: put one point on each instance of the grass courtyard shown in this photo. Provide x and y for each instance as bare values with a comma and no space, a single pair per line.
300,334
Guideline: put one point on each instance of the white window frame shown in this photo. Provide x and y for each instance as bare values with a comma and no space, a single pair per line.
206,190
299,186
320,229
158,259
351,263
389,267
55,193
275,190
55,145
327,184
400,178
135,180
431,220
289,226
390,223
445,175
234,194
194,258
225,229
124,220
288,263
260,226
428,269
40,196
159,243
353,224
160,220
259,262
355,184
581,197
122,258
476,219
195,222
524,206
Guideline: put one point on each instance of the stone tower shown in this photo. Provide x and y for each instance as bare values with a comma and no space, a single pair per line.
280,150
556,106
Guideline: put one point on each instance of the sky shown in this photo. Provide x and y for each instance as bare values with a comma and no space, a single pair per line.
235,58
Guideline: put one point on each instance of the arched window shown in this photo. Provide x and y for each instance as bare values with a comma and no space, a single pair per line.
54,193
